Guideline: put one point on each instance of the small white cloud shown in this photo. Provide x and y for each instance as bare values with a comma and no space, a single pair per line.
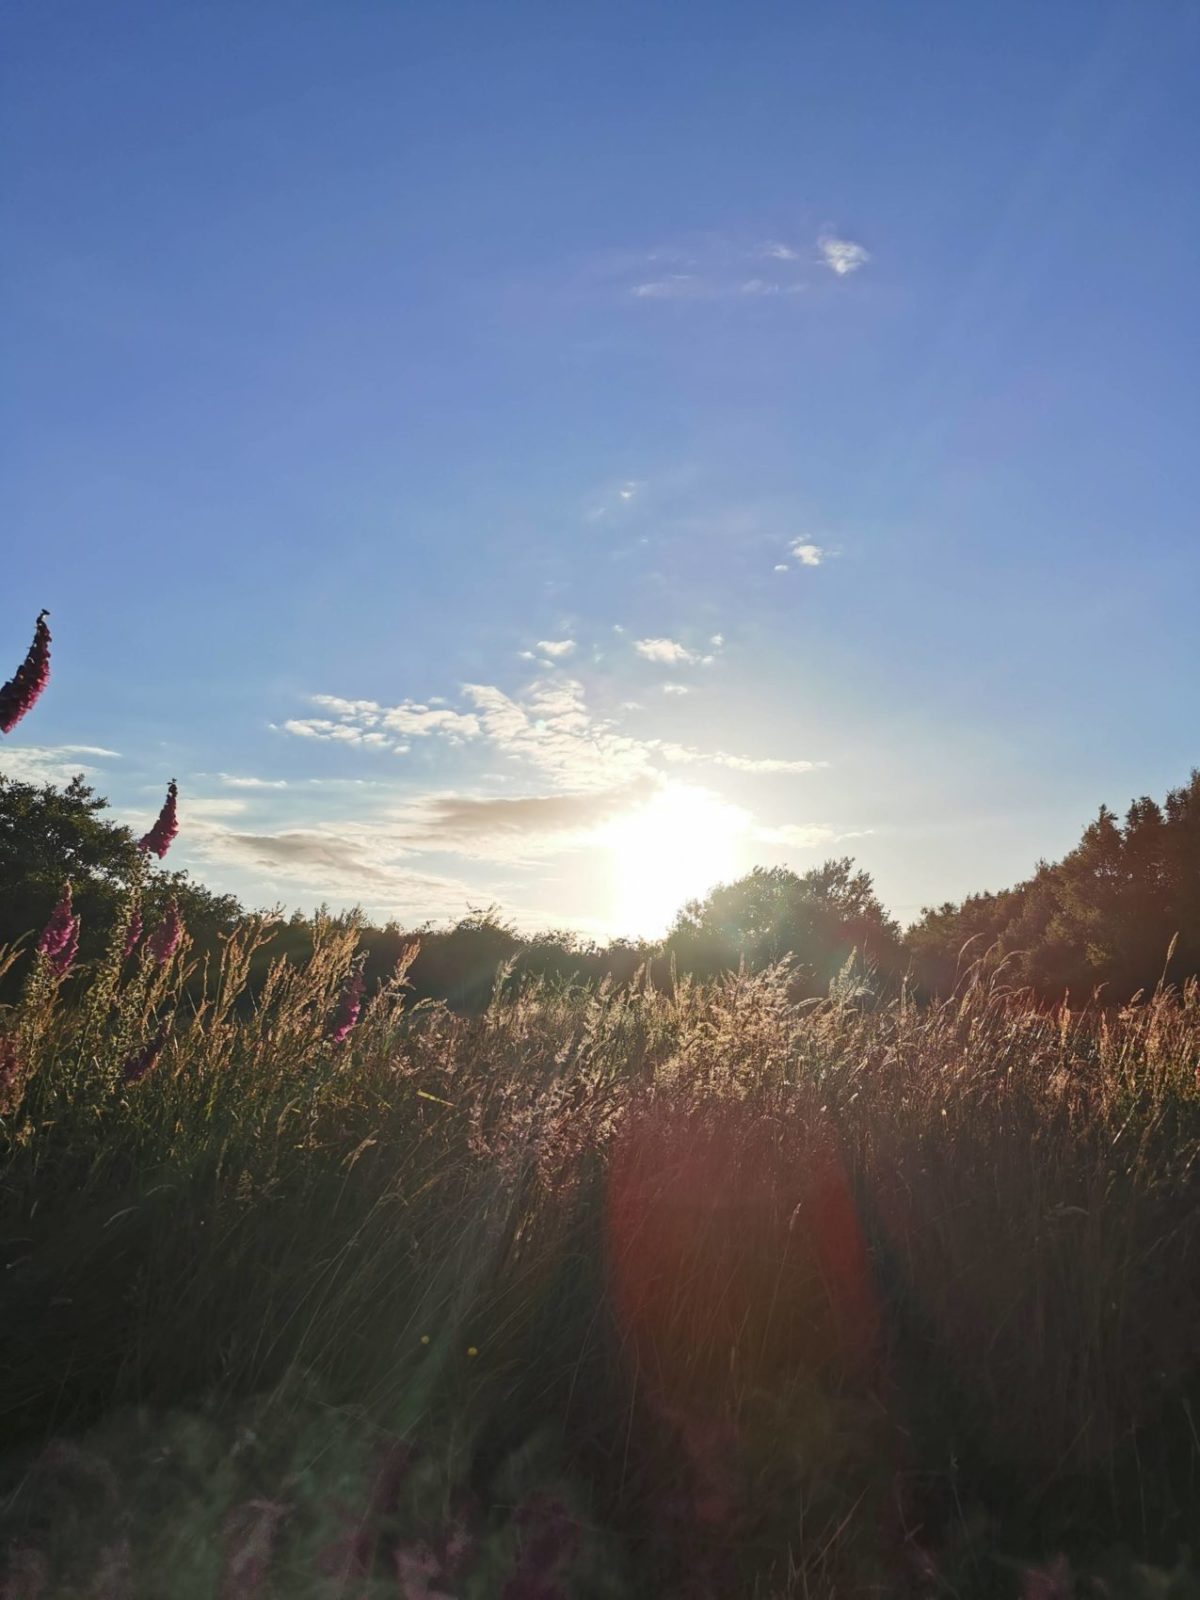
808,555
764,763
675,688
231,781
688,755
782,566
717,640
842,256
556,649
798,835
667,651
780,252
628,490
526,655
618,627
676,286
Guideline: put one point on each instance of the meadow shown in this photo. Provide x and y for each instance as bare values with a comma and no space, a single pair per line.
640,1289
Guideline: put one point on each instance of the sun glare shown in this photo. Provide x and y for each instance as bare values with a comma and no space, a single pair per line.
676,847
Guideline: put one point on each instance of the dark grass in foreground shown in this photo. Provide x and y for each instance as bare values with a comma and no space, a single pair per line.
617,1293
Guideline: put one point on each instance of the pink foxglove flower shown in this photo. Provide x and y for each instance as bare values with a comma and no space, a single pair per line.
143,1061
348,1009
21,691
132,934
164,941
58,930
65,959
59,942
158,841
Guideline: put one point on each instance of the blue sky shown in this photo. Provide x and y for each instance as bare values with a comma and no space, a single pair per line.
558,454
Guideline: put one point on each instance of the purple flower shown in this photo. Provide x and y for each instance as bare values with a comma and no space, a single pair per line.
164,941
348,1008
59,942
65,959
158,841
142,1061
20,693
132,934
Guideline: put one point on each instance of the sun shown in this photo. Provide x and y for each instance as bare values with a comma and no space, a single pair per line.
675,848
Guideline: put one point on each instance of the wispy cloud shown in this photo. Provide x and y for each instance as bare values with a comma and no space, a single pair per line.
808,554
556,649
37,763
722,268
550,730
842,256
676,286
232,781
509,827
762,286
682,753
362,862
367,723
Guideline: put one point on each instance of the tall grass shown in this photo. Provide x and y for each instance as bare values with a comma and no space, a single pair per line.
619,1291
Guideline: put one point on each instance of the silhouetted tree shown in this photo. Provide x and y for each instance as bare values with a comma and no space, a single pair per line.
819,919
1103,918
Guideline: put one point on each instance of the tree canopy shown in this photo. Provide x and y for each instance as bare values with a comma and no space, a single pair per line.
819,919
1104,917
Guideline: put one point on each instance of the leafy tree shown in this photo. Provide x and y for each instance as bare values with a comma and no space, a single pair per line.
819,919
1103,918
48,834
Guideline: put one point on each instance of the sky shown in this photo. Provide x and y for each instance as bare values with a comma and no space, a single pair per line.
560,455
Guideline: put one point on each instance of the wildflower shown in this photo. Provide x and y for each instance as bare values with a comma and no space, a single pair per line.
250,1537
472,1351
143,1061
348,1008
164,941
132,934
158,841
21,692
65,959
59,942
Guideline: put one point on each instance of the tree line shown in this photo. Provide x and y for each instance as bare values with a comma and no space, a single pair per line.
1116,915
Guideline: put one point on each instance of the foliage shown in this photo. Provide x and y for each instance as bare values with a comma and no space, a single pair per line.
49,835
818,920
1119,912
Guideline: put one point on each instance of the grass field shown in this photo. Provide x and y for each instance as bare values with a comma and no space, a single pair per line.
600,1293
